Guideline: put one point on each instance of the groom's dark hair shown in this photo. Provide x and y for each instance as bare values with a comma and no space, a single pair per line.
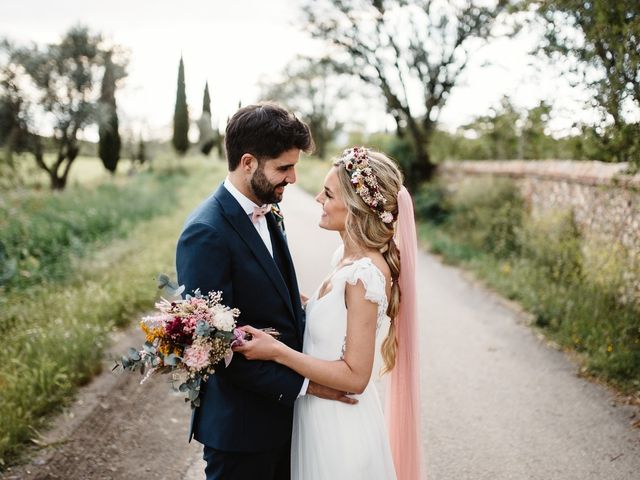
265,130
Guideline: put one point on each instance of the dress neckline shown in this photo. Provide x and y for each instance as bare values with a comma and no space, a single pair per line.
335,272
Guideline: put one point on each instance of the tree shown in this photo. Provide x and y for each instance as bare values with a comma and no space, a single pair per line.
12,110
64,75
309,87
413,51
207,135
15,133
497,133
599,40
537,144
109,146
206,99
141,154
181,115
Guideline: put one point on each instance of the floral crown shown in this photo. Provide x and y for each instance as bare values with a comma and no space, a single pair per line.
356,163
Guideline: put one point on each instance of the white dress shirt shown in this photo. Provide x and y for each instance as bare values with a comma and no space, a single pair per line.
263,230
248,206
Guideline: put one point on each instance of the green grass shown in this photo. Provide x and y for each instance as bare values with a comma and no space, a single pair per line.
58,331
40,232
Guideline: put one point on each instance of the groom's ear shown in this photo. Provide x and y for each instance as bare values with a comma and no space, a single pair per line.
248,163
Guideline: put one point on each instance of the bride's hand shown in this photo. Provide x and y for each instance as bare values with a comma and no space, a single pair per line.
303,299
262,346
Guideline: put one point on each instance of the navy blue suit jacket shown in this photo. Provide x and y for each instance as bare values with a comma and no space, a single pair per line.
248,406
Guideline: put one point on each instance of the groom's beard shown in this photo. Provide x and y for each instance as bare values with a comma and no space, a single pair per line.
264,190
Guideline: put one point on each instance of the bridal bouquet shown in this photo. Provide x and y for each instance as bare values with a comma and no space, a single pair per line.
187,337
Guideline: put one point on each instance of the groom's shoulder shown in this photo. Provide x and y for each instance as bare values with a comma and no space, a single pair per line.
204,225
209,212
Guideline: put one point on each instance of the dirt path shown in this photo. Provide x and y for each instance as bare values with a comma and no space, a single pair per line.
116,429
497,402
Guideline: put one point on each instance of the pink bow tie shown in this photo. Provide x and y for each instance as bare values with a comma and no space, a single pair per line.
259,212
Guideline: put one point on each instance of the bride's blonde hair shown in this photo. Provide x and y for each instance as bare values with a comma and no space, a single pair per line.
365,228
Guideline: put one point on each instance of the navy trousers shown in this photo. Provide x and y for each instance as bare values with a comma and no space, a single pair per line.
271,465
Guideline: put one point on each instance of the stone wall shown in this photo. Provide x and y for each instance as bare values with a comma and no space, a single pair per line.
604,200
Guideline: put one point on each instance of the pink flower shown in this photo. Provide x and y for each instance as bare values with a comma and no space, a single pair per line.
196,356
239,338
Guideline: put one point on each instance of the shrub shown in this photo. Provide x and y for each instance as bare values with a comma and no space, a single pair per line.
488,213
431,203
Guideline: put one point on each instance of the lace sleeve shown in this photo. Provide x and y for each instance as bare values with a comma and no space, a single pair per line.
374,284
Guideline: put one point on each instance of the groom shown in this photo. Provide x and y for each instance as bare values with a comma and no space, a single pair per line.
234,243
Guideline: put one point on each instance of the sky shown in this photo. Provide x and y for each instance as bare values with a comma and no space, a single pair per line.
235,44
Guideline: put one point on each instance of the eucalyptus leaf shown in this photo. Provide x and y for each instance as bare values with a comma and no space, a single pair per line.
193,394
163,280
170,287
171,359
203,329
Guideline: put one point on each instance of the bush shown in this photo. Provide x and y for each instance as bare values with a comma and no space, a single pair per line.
488,213
431,203
553,243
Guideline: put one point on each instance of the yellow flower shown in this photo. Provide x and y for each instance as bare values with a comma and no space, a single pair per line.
164,348
151,333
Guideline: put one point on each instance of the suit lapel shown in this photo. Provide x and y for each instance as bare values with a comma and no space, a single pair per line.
293,287
240,222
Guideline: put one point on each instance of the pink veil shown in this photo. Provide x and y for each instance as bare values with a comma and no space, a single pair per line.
403,389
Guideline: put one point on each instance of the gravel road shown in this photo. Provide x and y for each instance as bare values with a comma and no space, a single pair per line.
498,402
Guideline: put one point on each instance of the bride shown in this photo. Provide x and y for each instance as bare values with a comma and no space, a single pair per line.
364,201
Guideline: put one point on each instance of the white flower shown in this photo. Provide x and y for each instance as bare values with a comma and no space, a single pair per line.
224,320
386,217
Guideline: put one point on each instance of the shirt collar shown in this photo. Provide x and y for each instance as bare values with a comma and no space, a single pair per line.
247,205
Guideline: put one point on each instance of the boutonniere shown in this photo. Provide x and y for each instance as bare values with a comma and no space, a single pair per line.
277,213
275,209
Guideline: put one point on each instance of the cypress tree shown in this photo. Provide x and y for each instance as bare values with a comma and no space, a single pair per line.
181,115
109,146
206,101
141,154
207,137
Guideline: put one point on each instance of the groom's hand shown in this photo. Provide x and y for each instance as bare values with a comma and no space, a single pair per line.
329,393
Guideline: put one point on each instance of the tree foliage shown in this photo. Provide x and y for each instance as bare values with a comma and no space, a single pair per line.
208,136
109,145
13,115
600,41
413,51
508,133
64,76
181,115
310,88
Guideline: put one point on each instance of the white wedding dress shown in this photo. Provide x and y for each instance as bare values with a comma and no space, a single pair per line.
333,440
